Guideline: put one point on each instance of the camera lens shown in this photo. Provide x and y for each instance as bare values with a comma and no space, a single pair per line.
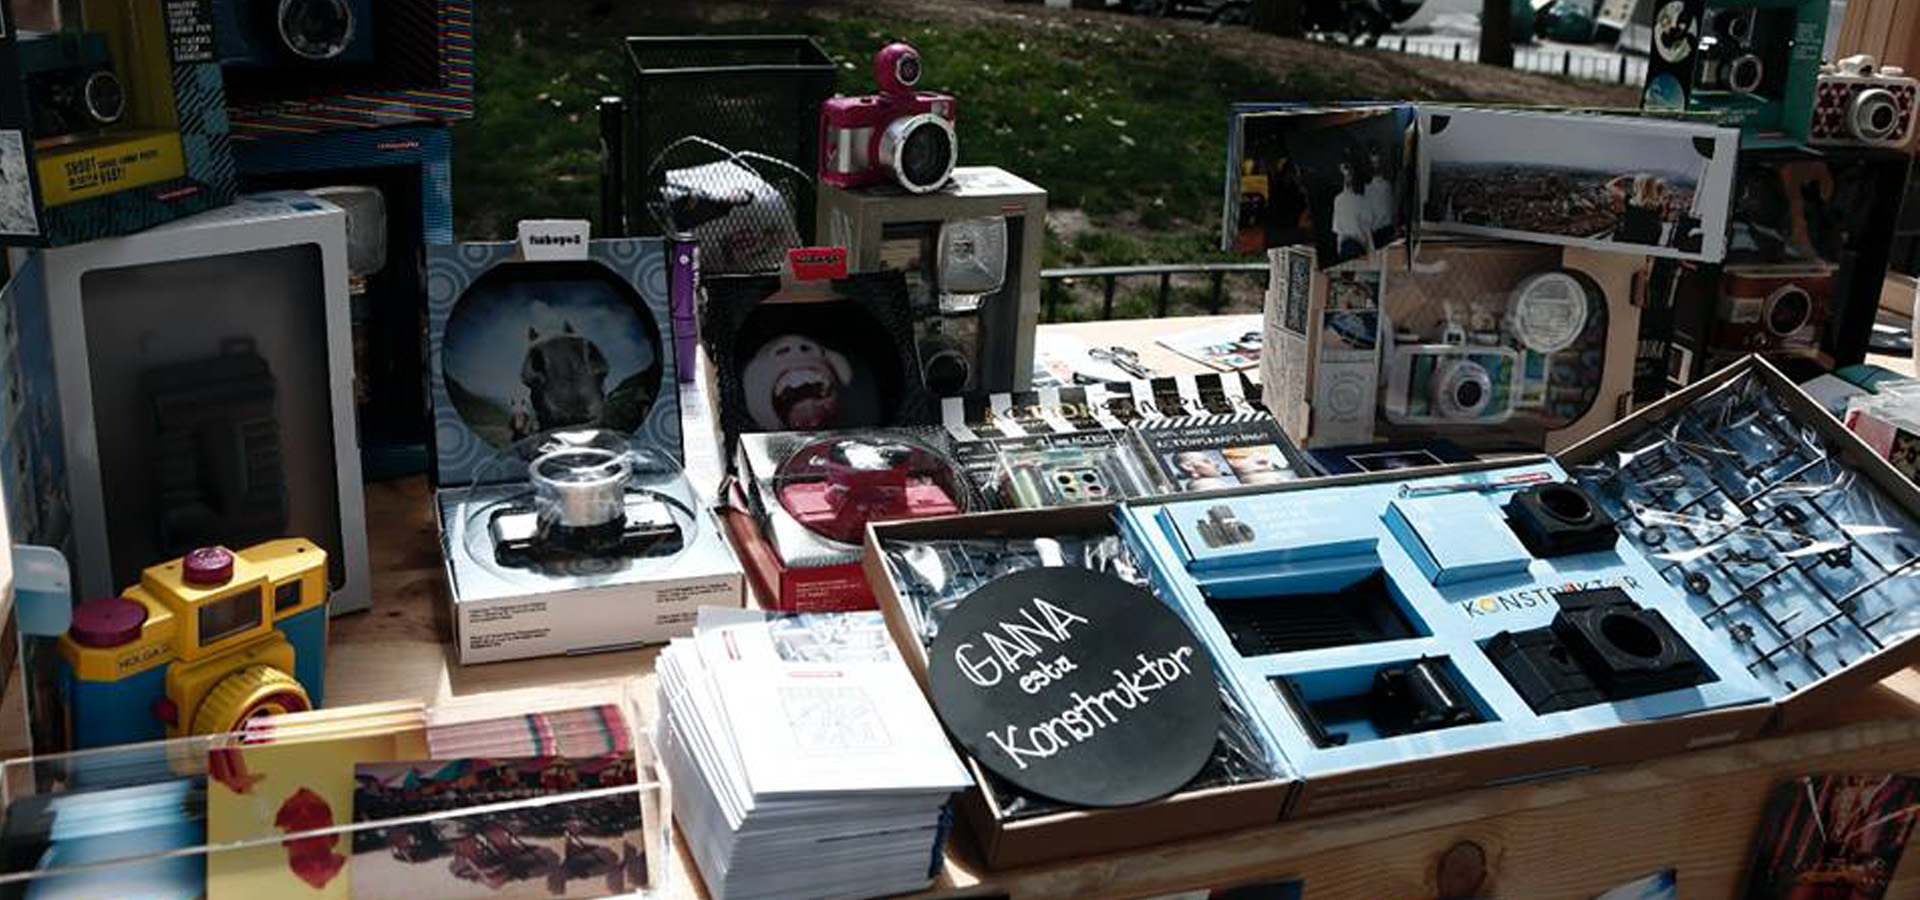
1789,310
927,156
1469,394
580,487
947,372
1463,390
106,99
1875,116
908,69
1746,73
921,152
316,30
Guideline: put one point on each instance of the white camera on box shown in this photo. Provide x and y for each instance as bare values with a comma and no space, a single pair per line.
1860,102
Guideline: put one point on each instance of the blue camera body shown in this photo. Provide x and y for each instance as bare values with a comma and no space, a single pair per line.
280,33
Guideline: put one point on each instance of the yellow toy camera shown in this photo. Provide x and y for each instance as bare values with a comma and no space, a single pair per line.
201,645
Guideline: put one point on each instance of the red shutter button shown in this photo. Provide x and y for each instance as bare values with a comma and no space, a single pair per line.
207,567
107,622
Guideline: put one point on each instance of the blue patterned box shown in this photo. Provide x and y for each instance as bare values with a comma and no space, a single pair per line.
500,332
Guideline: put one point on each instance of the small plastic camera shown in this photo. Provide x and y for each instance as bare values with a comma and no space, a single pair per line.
867,481
1766,310
202,645
70,83
1451,384
1859,102
582,509
899,136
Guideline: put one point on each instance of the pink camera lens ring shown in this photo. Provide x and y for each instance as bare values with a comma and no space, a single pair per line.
896,67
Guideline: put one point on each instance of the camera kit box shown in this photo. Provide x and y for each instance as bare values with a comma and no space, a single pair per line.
204,378
1752,63
1493,345
971,252
1400,635
112,123
922,569
332,65
396,185
1809,243
566,521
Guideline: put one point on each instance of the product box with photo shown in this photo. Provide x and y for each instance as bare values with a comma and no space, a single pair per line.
1810,236
112,120
1349,181
566,522
331,65
1490,345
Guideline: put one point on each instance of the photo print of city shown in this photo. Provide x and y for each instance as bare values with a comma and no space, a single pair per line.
1659,188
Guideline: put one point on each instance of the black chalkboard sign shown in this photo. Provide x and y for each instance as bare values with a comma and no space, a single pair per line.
1076,686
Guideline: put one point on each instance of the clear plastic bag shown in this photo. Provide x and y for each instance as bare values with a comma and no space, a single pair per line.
1802,563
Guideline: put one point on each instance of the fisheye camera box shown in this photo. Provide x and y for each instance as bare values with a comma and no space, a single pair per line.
522,343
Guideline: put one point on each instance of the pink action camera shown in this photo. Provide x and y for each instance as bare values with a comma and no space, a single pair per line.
899,135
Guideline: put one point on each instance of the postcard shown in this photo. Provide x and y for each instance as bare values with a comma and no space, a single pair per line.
591,847
1336,179
1833,836
1655,187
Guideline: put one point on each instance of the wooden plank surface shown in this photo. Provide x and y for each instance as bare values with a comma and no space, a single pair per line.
1561,840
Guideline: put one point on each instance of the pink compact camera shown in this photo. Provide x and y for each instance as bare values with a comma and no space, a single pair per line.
899,135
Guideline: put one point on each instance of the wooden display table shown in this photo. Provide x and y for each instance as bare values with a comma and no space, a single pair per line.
1564,839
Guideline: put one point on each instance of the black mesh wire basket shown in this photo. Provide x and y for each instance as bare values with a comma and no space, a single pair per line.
725,126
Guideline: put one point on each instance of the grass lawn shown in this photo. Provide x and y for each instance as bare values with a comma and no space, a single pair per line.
1123,120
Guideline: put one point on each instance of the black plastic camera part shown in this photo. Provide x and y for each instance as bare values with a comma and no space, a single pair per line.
1601,648
1363,613
217,457
1555,520
1419,696
1404,699
71,84
647,529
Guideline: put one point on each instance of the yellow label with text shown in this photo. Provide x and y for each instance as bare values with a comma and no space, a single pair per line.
84,173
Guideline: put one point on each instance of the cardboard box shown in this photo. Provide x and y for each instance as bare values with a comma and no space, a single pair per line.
256,287
397,185
110,125
392,63
596,315
1543,338
1007,843
972,338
